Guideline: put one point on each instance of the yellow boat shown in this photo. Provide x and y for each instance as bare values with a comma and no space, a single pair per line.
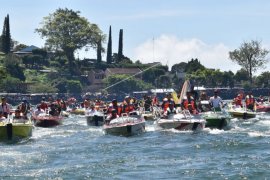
79,111
15,129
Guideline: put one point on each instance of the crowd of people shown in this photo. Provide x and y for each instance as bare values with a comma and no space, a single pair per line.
192,102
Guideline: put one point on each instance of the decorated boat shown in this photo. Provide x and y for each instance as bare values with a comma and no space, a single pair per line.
217,119
95,119
15,128
47,120
126,125
182,121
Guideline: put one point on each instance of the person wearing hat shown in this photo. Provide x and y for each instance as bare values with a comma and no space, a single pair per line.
4,108
250,101
216,101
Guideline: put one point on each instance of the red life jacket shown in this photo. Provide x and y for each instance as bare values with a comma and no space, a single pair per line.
250,100
166,105
238,101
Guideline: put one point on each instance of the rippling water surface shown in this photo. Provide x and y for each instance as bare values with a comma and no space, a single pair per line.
77,151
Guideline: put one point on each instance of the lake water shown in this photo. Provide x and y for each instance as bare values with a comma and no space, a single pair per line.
77,151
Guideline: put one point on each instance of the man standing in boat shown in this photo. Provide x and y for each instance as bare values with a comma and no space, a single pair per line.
216,101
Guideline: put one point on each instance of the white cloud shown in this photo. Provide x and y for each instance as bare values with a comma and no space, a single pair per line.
170,50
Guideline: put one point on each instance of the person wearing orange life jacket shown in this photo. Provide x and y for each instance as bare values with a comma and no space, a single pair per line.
168,105
238,100
250,101
189,103
127,106
114,105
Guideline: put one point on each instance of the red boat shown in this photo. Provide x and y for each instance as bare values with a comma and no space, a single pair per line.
46,120
265,107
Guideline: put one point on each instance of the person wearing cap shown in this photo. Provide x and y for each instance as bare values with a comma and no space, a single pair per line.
4,108
216,101
238,101
189,103
250,101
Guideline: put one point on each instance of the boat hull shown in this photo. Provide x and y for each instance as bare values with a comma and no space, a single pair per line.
263,108
243,114
125,129
47,121
15,130
182,125
95,120
217,120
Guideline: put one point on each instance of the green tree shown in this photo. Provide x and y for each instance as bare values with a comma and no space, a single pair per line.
11,85
99,51
152,74
193,65
250,56
74,86
66,30
109,48
263,80
120,46
124,84
241,75
6,38
164,81
42,87
180,67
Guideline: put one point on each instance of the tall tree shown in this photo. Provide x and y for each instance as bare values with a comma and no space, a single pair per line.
99,50
67,31
6,38
109,48
120,46
250,56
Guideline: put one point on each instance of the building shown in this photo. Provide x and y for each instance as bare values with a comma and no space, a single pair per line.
96,76
136,72
26,51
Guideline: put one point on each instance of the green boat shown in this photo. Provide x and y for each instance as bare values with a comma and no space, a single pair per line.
217,119
15,129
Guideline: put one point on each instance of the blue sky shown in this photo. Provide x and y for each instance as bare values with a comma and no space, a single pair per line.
169,31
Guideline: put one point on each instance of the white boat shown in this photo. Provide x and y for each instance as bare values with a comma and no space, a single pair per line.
95,119
126,125
182,121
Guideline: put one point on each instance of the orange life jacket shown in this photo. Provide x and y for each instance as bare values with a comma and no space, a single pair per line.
117,108
189,103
